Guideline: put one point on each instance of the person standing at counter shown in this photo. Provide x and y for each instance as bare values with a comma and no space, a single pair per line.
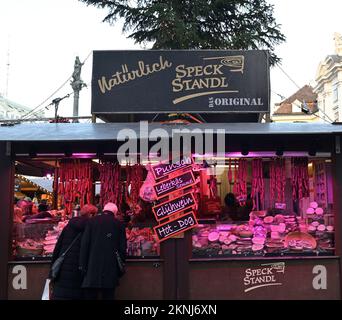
68,284
104,235
42,213
230,211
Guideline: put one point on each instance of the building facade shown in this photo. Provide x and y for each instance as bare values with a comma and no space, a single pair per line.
10,110
300,107
329,84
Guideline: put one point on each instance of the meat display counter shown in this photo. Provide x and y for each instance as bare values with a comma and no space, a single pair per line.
267,236
36,241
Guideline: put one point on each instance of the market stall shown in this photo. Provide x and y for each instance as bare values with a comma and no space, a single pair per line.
291,235
213,209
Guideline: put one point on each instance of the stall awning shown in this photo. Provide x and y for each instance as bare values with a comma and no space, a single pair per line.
42,184
109,131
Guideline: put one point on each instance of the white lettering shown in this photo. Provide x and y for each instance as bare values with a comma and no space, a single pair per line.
20,280
319,282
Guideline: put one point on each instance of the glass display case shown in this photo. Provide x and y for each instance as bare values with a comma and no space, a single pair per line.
263,236
142,243
36,239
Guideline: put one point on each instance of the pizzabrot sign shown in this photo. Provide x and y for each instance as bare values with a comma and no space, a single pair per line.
175,226
161,170
177,81
171,207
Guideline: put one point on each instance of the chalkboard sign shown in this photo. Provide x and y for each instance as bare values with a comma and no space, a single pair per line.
173,227
180,182
180,81
161,170
171,207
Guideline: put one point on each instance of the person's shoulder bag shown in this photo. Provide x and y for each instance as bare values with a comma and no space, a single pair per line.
56,266
121,264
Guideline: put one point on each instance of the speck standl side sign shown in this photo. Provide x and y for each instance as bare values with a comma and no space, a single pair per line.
195,81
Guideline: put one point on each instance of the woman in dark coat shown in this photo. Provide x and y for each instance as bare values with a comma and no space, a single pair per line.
68,284
104,235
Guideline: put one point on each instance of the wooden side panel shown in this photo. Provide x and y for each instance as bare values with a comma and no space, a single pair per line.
273,280
143,280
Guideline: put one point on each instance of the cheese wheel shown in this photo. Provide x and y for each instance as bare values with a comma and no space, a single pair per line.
314,204
319,211
257,247
274,228
310,211
282,227
311,228
232,238
268,219
258,240
275,235
321,227
213,236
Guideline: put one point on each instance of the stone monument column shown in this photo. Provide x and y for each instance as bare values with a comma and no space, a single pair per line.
77,84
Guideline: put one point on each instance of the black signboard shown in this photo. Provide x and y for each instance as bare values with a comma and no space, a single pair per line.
175,81
171,207
177,183
161,170
175,226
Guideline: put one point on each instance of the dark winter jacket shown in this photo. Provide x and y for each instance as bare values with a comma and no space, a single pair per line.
104,235
68,284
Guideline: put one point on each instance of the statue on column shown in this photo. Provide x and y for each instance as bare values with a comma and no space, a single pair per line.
338,43
76,82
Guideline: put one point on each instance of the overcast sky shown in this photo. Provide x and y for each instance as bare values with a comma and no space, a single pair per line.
43,37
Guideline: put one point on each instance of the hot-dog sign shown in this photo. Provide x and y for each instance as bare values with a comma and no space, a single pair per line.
171,207
175,226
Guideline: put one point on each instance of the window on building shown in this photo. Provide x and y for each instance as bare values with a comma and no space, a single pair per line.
336,116
335,93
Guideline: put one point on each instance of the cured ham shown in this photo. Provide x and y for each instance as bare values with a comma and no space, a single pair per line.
147,192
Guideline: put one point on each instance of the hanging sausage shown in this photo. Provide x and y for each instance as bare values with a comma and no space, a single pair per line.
300,178
258,191
75,183
111,185
240,179
277,181
134,181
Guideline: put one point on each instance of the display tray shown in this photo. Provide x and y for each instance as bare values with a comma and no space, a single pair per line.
36,258
254,258
19,260
263,255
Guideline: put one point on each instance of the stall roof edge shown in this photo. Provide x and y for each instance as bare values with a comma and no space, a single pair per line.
109,131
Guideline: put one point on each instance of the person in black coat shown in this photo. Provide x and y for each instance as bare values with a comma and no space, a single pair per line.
104,235
67,286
